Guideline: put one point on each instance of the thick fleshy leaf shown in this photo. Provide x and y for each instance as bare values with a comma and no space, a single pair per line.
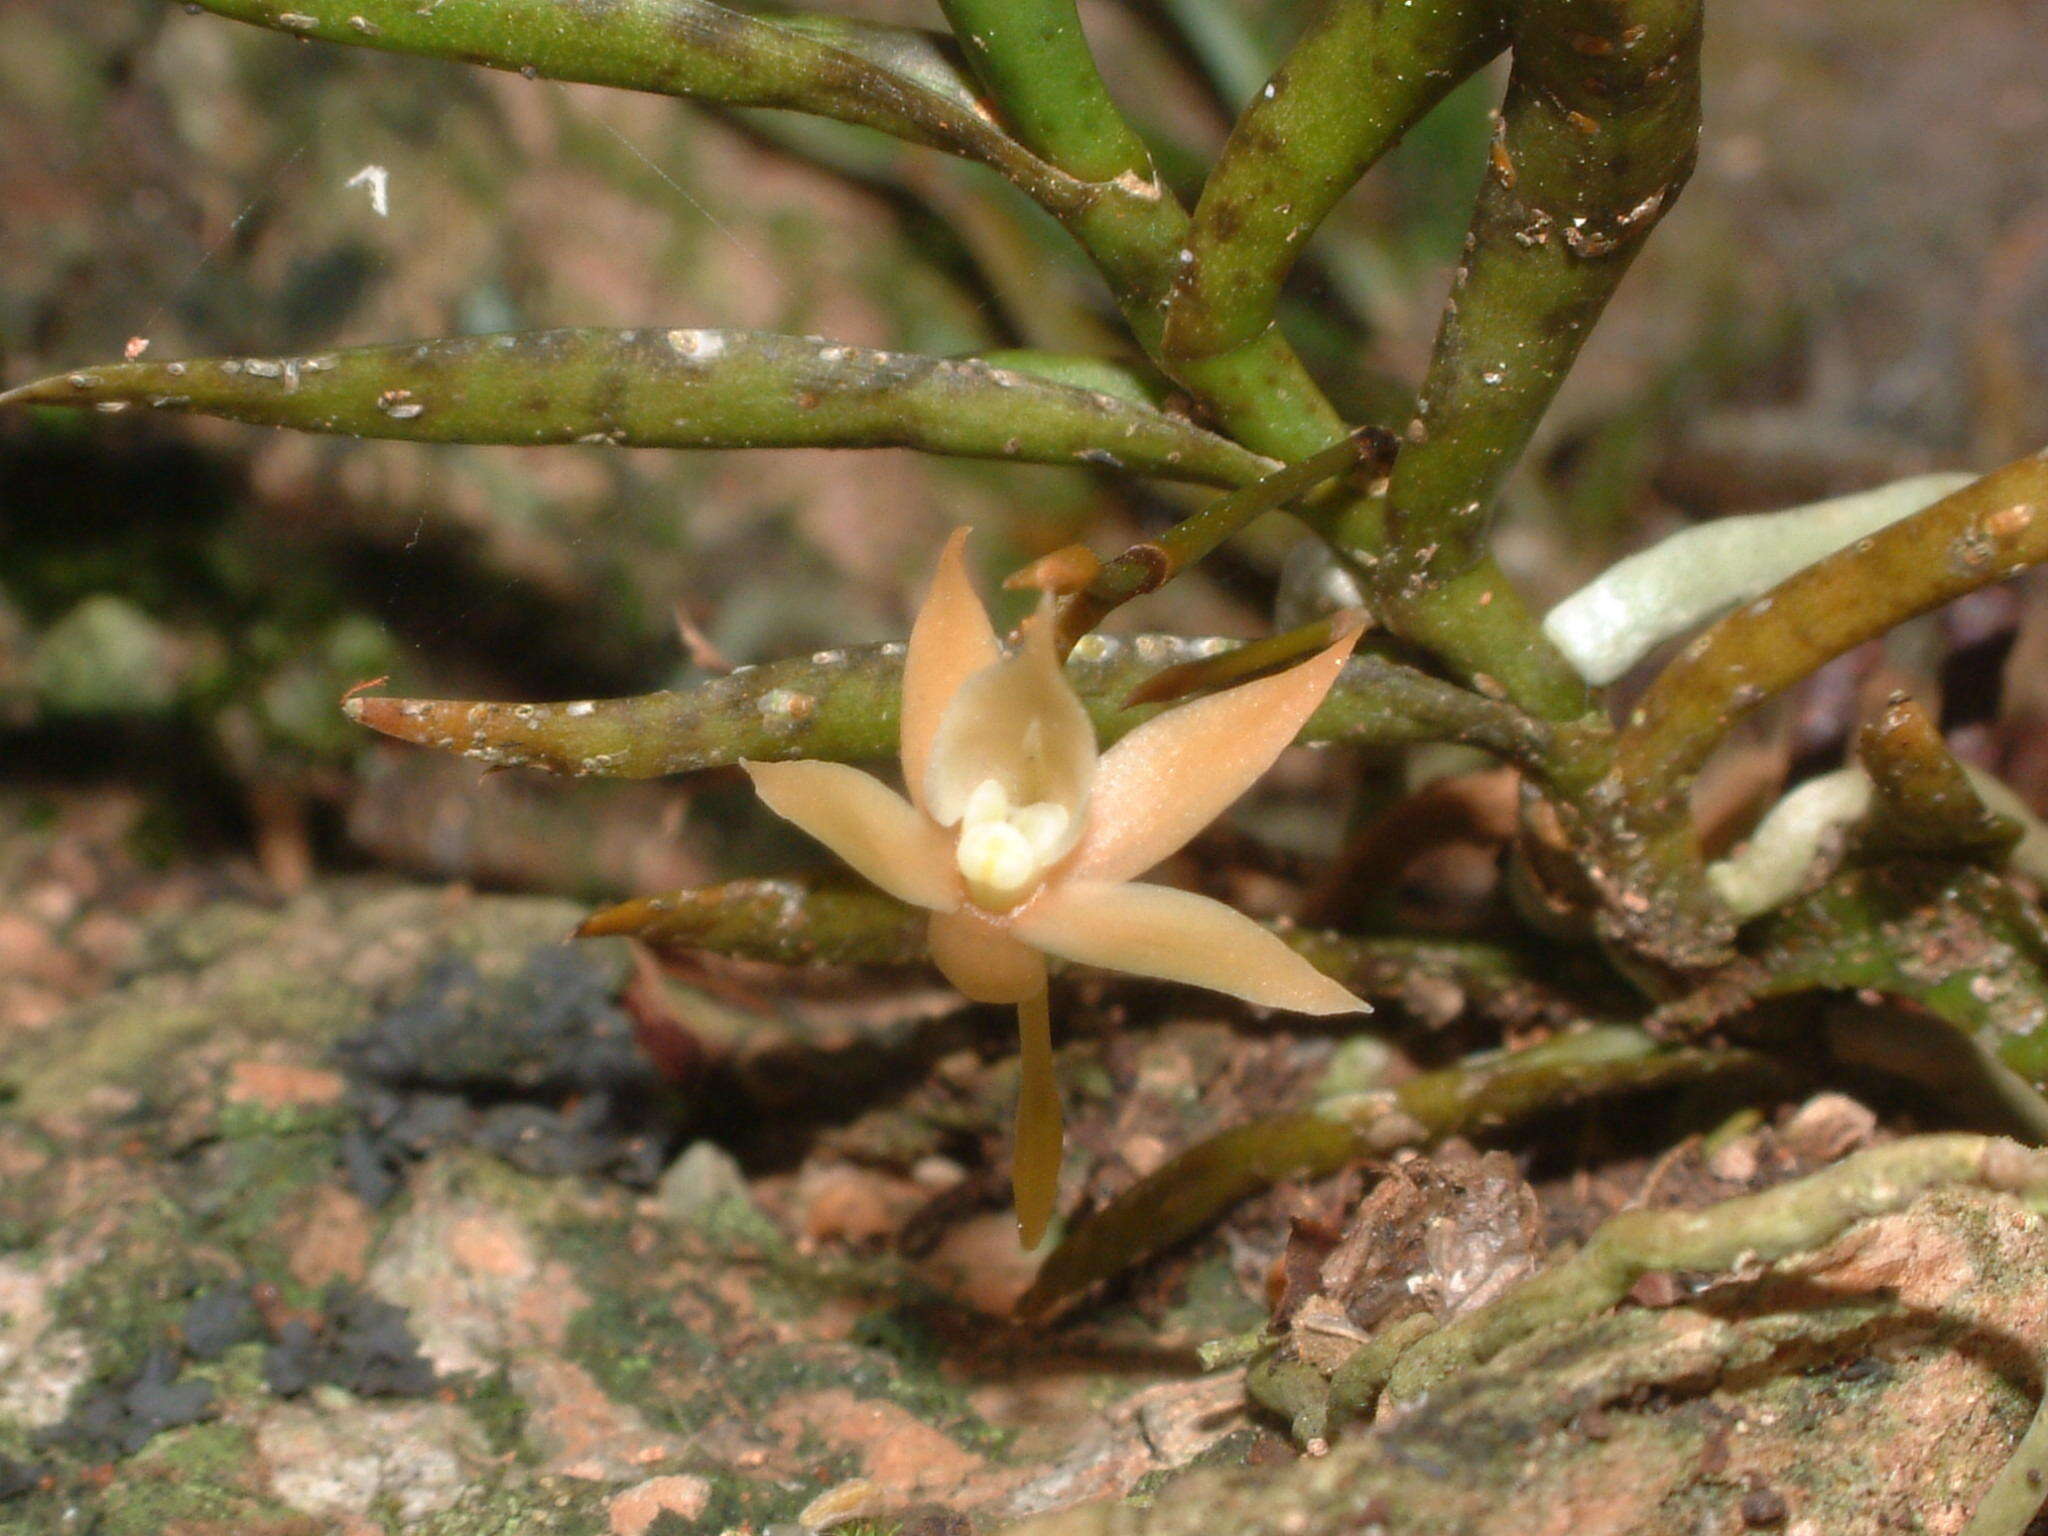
982,960
844,706
659,388
790,922
1637,604
883,836
1482,1093
1035,1147
951,641
1360,76
1988,531
1364,453
1174,775
1155,930
1020,724
1039,67
901,80
1597,134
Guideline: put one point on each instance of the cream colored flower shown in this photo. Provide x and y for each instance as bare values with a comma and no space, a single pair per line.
1022,843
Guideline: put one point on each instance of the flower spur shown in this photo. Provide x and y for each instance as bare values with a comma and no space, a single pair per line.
1022,842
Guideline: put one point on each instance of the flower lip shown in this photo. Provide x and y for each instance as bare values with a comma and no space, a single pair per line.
1016,730
1004,851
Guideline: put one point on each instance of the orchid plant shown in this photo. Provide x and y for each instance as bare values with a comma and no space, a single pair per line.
1021,841
1020,838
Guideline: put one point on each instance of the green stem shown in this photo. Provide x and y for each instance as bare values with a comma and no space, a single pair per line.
789,922
905,83
1922,799
1035,61
899,80
1362,75
1984,533
1598,135
1254,658
1793,1218
801,922
672,389
1482,1093
844,705
1149,566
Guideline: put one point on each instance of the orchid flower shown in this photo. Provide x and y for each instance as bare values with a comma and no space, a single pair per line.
1022,843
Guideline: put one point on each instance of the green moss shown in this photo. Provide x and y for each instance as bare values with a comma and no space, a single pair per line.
35,1514
205,1475
247,1188
635,1346
237,1376
500,1412
1212,1304
747,1504
244,972
549,1507
1985,1225
632,1341
216,1453
127,1302
1233,1450
27,1204
212,933
118,1045
255,1122
902,1333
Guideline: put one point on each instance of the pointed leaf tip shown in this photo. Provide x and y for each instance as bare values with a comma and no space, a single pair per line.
406,719
665,388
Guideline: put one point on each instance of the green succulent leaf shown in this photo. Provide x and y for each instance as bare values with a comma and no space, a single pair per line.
1035,60
790,922
1986,532
1484,1091
660,388
844,706
901,80
1361,76
1598,135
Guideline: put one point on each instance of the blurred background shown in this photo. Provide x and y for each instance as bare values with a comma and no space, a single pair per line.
1854,288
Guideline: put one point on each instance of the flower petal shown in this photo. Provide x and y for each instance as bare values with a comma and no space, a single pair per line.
1019,723
1177,772
950,642
1035,1145
1154,930
982,960
866,823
